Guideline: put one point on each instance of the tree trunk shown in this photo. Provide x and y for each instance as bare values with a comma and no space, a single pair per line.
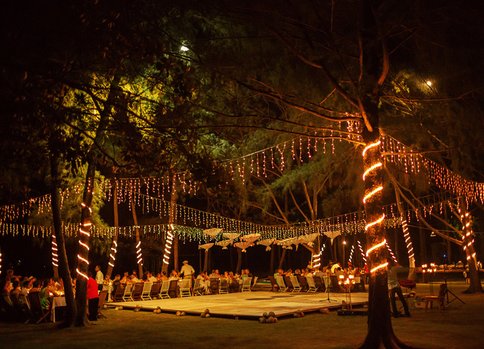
281,260
375,65
407,237
114,243
423,246
468,245
273,258
238,268
71,309
139,254
171,222
176,253
83,252
55,257
205,260
85,229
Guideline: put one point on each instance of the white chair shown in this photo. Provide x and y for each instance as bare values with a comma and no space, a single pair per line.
198,288
246,284
280,282
311,283
127,292
165,286
185,288
295,283
146,293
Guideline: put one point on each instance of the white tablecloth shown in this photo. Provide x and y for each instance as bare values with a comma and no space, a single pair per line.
57,302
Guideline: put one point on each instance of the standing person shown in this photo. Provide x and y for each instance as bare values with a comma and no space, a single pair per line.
395,289
92,297
187,270
99,278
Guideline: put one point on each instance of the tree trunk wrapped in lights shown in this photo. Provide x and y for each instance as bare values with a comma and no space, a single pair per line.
55,256
468,247
139,254
71,308
380,331
170,234
114,244
83,251
407,237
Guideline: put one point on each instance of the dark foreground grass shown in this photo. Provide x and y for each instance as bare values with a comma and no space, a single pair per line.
459,326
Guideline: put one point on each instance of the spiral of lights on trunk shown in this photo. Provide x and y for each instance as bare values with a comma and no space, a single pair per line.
139,254
363,256
55,255
371,155
84,230
168,244
112,253
408,240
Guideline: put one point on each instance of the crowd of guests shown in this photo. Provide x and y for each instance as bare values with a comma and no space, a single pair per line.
15,290
332,269
202,280
15,304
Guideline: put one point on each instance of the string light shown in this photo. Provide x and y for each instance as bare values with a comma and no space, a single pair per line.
378,221
379,267
350,259
371,194
408,239
112,254
376,246
139,255
391,253
413,162
363,255
371,168
55,255
83,263
169,242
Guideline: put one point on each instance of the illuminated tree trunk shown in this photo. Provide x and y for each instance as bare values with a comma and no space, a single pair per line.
55,256
139,255
374,62
85,227
468,246
114,244
407,237
71,309
83,251
171,222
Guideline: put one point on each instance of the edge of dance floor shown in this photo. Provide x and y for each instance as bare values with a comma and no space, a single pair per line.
248,305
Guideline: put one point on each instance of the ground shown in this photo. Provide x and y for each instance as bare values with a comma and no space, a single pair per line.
459,326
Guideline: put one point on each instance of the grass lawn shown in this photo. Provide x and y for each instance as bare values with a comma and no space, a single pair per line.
459,326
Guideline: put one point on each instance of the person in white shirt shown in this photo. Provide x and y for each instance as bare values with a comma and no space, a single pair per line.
395,289
187,270
99,278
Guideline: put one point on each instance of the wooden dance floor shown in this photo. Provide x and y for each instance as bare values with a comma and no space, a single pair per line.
248,304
